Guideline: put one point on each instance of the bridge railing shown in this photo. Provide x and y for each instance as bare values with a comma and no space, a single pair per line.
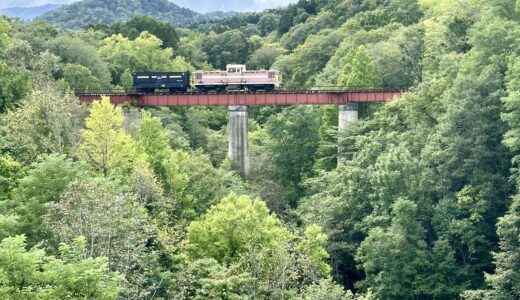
282,90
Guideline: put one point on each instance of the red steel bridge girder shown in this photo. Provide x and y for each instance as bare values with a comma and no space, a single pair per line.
226,99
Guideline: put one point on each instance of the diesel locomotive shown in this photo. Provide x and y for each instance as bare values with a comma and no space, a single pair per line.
235,77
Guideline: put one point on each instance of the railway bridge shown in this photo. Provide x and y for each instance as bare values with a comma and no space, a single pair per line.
238,150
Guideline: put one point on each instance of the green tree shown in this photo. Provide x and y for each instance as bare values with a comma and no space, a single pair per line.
264,57
192,182
105,146
114,226
244,236
393,258
47,121
37,33
144,54
229,228
268,22
80,78
134,27
127,80
47,179
303,65
14,85
293,141
75,51
32,274
10,172
326,155
312,247
326,289
207,279
229,47
152,139
359,70
505,281
5,27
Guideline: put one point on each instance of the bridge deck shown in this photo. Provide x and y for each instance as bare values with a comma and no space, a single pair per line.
235,98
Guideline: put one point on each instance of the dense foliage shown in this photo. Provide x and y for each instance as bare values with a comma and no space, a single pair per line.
417,200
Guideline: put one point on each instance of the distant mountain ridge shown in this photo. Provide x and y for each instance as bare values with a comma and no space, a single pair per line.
80,14
28,13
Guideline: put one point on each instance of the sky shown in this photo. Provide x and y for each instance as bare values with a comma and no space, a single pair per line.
197,5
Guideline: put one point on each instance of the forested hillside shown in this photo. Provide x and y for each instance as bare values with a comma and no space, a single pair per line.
28,13
87,12
99,201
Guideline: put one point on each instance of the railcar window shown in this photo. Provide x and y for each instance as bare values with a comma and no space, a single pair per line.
143,77
175,76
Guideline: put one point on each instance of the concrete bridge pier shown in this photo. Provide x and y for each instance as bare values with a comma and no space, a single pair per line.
238,150
132,120
348,114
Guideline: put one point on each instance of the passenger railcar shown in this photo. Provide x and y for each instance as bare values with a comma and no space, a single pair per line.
237,77
174,82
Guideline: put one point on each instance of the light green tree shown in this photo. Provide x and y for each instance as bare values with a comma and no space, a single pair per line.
106,147
143,54
152,139
359,70
312,248
326,289
207,279
33,275
4,30
127,80
10,173
192,183
229,228
241,234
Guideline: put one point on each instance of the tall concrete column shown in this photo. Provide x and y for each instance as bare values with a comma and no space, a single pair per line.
132,120
238,150
348,114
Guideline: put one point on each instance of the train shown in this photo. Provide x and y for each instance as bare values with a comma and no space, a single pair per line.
148,82
235,77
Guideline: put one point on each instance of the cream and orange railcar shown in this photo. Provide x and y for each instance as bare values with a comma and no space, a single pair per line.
237,77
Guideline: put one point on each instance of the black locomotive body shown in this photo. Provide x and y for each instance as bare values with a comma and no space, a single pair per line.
174,82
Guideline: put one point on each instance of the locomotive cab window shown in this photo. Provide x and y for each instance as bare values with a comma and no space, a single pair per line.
235,68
